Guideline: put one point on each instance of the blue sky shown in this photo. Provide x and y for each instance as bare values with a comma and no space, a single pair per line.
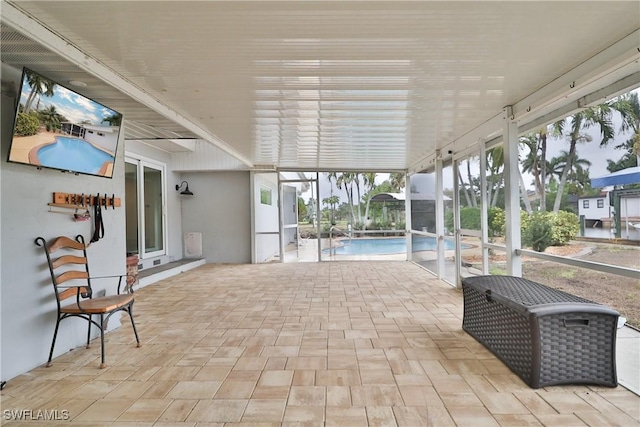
75,108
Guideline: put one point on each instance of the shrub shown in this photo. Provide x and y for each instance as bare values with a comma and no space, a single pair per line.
565,227
538,231
469,219
27,124
496,222
448,220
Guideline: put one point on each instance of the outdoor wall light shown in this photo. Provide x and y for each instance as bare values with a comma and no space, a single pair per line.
186,191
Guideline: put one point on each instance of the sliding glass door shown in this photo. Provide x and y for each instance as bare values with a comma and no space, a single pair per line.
145,207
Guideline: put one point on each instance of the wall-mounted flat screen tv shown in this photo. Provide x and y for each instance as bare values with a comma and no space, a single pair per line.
58,128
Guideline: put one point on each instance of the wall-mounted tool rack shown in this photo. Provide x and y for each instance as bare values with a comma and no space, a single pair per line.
83,201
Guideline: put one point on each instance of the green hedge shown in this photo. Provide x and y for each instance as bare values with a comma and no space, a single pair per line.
564,226
27,124
470,218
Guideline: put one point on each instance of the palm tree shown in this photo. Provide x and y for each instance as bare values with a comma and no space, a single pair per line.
50,118
599,115
396,179
628,160
531,162
579,173
39,86
346,180
356,182
629,108
331,202
370,184
495,165
463,186
543,167
113,120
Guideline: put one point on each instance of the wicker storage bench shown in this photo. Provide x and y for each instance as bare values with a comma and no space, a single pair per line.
545,336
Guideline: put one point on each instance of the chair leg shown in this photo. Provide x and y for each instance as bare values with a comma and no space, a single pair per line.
135,331
53,343
102,364
89,332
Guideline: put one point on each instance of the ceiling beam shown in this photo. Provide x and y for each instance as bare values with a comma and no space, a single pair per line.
31,28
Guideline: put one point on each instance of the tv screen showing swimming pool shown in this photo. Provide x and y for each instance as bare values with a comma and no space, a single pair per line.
58,128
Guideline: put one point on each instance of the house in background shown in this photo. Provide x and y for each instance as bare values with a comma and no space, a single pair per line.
598,211
595,209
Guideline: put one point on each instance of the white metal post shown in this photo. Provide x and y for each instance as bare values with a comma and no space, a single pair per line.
456,224
252,190
280,219
318,228
484,213
439,217
407,215
512,193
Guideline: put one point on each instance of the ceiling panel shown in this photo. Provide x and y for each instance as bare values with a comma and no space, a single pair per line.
329,85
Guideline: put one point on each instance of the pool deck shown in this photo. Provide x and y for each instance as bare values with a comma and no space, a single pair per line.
22,145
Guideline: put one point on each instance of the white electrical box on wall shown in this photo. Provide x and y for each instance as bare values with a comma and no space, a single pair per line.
192,245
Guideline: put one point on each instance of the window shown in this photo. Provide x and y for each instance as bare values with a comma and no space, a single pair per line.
145,207
585,204
600,203
265,196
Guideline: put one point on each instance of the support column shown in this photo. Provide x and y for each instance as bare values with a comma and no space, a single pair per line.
318,216
280,219
484,213
407,216
456,224
439,217
254,243
511,193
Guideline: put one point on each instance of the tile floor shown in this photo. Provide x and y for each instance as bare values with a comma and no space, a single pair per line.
324,344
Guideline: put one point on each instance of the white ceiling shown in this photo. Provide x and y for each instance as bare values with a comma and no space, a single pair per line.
377,85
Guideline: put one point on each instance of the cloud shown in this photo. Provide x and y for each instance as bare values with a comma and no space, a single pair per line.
64,93
77,115
85,103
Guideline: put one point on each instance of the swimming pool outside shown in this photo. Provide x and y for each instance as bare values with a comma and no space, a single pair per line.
386,246
73,154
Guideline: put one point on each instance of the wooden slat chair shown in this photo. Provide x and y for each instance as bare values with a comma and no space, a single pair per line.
70,277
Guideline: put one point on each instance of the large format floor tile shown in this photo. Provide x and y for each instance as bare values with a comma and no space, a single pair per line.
334,343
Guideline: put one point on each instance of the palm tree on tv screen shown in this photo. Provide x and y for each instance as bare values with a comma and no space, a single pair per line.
113,120
39,86
50,118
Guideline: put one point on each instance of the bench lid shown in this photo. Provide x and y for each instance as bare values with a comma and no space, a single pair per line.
521,291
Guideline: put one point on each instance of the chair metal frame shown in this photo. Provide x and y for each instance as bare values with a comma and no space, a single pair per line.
85,306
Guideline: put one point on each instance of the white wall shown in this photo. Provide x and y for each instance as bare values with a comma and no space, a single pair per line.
221,210
28,304
593,211
630,207
108,140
